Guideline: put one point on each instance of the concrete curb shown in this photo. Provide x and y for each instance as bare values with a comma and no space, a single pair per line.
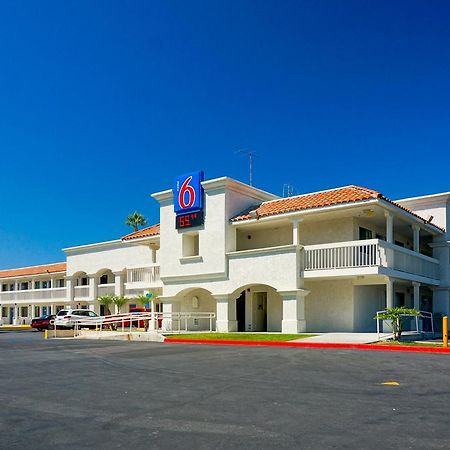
319,345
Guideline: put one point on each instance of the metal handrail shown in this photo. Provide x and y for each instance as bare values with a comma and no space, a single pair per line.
149,317
422,314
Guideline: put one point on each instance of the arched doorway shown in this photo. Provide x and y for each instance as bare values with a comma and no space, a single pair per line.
258,308
200,304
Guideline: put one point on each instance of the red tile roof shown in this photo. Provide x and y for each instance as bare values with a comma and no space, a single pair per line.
347,194
34,270
145,232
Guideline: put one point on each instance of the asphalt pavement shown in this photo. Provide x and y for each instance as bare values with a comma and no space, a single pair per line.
133,395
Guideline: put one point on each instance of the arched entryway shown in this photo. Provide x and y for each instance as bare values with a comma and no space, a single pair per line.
258,308
200,303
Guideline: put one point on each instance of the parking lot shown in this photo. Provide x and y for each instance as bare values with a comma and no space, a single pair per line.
92,394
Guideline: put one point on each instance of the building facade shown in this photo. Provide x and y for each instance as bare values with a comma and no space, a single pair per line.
318,262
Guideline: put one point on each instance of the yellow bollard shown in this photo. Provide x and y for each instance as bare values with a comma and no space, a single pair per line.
445,331
45,334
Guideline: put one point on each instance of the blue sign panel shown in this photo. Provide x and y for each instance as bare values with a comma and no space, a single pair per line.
188,193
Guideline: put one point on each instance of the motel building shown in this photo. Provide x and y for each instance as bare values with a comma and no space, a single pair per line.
319,262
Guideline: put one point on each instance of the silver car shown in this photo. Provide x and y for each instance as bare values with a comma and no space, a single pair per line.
68,318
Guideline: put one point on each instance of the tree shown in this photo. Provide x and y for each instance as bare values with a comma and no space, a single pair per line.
142,300
135,220
119,302
106,301
396,317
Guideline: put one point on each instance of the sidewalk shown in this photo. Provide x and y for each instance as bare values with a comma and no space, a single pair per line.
345,338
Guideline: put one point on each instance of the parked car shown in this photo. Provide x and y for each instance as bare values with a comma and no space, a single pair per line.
43,322
67,318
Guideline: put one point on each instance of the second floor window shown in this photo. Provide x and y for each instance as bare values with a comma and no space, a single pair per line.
104,279
365,234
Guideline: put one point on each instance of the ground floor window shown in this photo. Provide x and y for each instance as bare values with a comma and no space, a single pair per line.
24,311
4,311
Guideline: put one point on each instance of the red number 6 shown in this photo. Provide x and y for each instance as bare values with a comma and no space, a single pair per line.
186,188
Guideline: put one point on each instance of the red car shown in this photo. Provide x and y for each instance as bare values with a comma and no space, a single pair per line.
43,322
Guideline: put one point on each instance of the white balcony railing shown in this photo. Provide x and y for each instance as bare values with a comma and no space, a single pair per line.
145,276
81,292
106,289
369,253
34,295
342,255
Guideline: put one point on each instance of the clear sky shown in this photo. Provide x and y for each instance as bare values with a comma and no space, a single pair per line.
104,102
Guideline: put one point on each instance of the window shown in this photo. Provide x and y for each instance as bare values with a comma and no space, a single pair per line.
12,287
190,244
24,286
37,284
4,311
36,311
364,234
24,311
47,284
104,279
4,288
82,281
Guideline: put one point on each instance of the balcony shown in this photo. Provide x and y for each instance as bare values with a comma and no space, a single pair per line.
372,256
143,277
106,289
31,295
81,292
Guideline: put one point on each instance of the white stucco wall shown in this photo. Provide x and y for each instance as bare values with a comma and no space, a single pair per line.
367,301
329,306
266,237
340,230
115,256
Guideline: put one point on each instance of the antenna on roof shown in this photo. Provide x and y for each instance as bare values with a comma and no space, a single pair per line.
288,190
251,154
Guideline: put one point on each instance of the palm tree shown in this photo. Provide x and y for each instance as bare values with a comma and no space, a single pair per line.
119,302
135,220
106,301
142,300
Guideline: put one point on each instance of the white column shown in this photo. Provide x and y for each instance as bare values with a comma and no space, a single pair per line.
296,231
226,313
416,295
92,287
118,284
16,315
389,294
389,227
294,320
32,315
152,323
69,290
416,238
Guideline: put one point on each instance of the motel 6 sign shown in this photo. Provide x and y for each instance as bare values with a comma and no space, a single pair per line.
188,200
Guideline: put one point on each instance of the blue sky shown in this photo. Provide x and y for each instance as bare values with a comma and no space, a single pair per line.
104,102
